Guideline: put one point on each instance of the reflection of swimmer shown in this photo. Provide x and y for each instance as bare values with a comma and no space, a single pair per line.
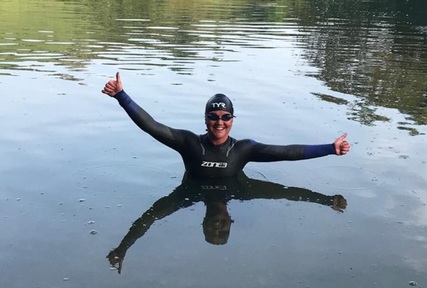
215,154
215,194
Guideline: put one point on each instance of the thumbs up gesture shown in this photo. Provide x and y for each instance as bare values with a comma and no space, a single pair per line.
113,87
342,147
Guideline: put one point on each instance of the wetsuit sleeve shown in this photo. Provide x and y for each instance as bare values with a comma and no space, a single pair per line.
266,153
314,151
173,138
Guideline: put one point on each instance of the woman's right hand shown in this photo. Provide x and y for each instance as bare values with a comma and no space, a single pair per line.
113,87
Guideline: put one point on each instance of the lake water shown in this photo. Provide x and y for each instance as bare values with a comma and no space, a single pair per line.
76,172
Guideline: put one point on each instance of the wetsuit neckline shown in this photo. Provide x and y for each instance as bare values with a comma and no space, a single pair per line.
206,139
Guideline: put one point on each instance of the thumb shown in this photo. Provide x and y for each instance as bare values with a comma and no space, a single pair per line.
342,137
118,79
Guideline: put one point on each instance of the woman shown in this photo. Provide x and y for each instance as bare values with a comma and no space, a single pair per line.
216,154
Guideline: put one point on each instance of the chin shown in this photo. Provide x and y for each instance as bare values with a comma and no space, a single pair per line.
220,135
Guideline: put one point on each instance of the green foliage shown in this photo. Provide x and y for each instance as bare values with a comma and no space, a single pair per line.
375,50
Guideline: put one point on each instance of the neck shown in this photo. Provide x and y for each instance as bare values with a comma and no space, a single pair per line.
216,141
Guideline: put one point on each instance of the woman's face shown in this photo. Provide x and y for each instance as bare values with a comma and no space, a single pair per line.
219,129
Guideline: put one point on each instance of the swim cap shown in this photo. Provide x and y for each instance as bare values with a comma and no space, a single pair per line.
219,102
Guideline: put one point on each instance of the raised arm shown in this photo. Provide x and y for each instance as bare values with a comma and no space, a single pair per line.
173,138
114,88
266,153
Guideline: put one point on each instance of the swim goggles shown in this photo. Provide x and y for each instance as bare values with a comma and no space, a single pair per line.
216,117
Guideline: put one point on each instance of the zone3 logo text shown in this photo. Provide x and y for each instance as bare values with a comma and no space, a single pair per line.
214,164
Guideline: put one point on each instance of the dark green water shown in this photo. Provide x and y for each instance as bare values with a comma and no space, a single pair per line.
75,172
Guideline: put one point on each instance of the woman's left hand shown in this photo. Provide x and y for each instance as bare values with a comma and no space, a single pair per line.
342,146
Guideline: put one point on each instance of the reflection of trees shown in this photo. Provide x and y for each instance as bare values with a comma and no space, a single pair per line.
184,31
29,38
160,33
376,51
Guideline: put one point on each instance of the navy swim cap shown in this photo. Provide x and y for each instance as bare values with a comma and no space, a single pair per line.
219,102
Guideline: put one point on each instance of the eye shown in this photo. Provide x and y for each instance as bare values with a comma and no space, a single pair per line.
226,117
212,116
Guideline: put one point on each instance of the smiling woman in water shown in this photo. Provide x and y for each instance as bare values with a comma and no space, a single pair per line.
216,154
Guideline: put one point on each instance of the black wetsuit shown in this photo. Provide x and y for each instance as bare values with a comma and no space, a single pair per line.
203,159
